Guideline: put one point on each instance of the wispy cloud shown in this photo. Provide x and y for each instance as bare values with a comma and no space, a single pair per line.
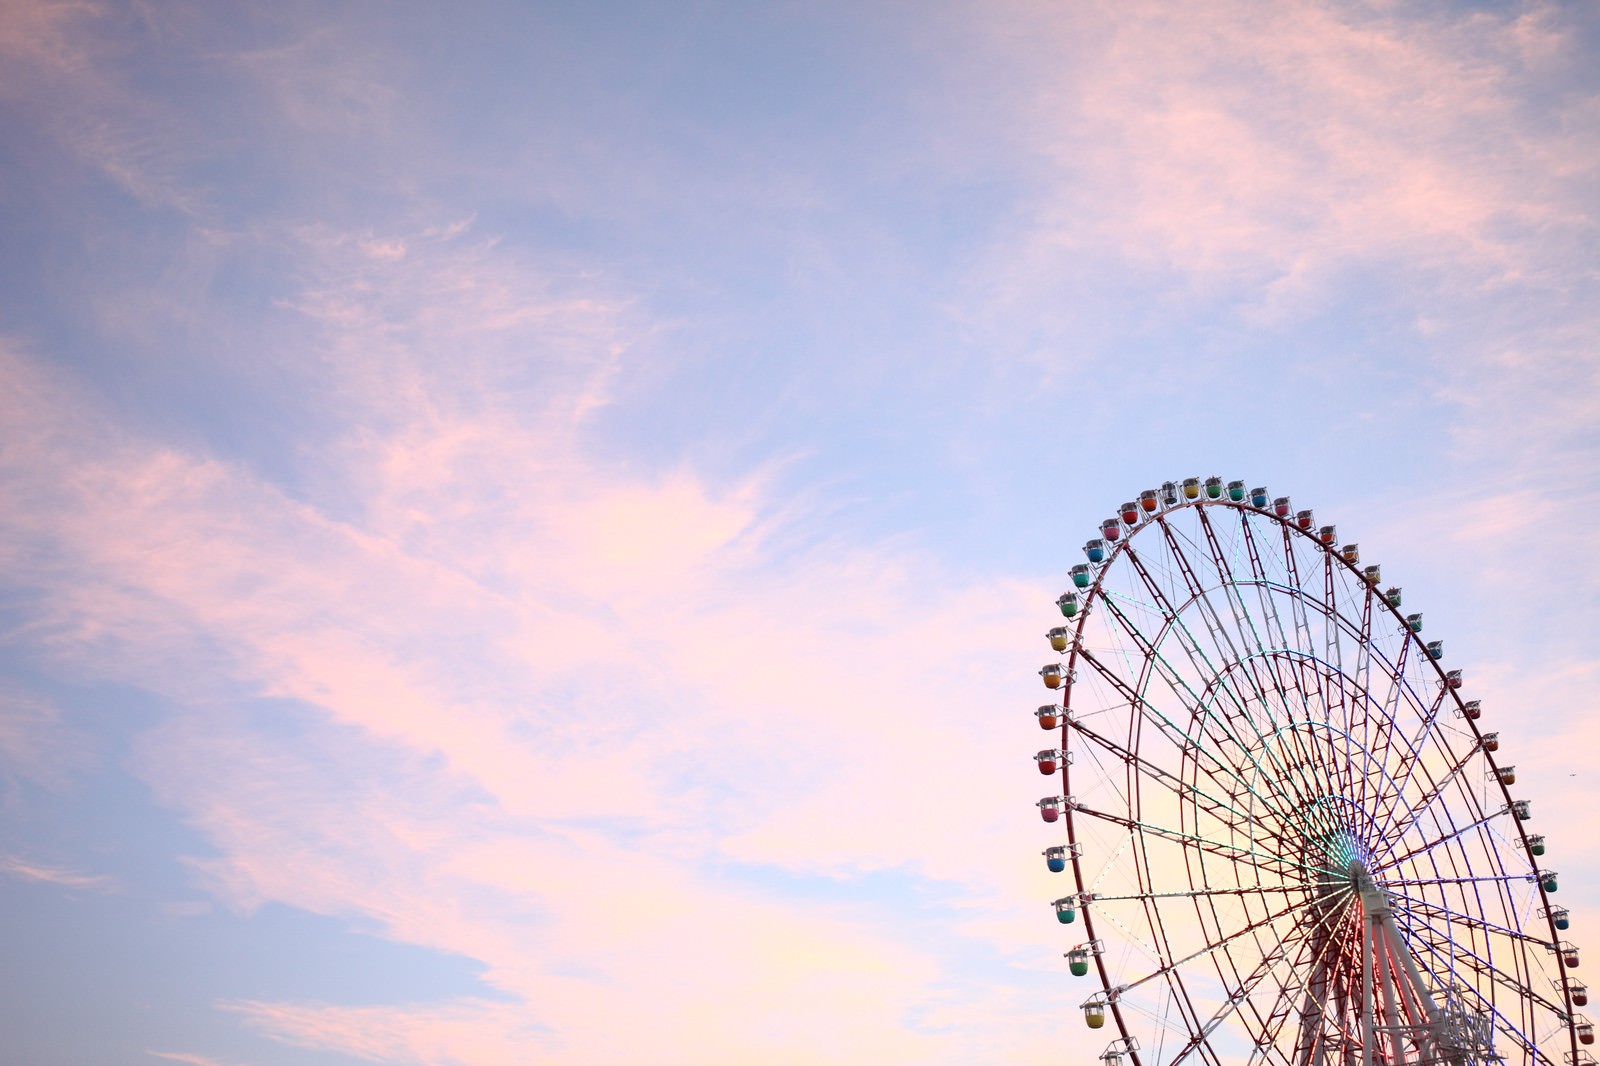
40,32
1426,169
27,870
1306,140
542,694
188,1058
35,743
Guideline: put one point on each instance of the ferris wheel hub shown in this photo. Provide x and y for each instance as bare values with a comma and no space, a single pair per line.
1374,900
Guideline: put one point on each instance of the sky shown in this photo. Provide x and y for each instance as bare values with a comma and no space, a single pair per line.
526,529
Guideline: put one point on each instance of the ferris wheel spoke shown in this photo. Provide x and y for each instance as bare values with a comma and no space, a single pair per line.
1245,622
1318,746
1171,730
1383,859
1177,785
1195,649
1330,678
1309,755
1412,759
1328,944
1175,682
1425,802
1451,959
1363,649
1262,584
1177,991
1312,986
1308,764
1425,881
1197,592
1194,840
1174,1016
1453,917
1333,655
1451,950
1297,592
1333,648
1389,709
1154,658
1204,700
1397,677
1252,668
1239,996
1305,654
1317,938
1192,648
1173,614
1225,572
1242,620
1301,765
1351,687
1377,730
1214,947
1264,594
1299,699
1245,890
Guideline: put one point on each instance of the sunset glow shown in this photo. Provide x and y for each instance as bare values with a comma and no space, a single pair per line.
528,529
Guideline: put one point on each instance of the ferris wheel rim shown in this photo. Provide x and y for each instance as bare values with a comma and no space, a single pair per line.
1323,549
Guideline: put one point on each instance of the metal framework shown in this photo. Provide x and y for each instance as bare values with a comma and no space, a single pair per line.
1288,841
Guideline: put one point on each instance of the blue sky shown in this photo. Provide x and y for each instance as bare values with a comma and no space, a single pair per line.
527,527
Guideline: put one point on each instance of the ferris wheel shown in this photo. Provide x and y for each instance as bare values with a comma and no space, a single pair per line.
1288,839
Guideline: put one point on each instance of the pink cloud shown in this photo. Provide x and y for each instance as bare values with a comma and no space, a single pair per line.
514,684
40,32
27,870
35,744
187,1058
1264,152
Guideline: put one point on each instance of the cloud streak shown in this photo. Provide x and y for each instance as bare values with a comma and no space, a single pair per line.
186,1057
27,870
530,715
1293,146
